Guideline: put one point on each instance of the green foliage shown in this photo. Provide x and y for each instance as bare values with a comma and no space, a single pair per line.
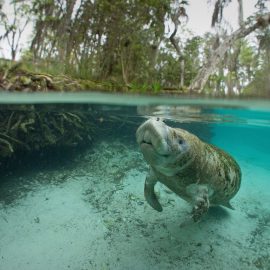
125,45
260,86
168,68
192,58
138,88
246,56
156,87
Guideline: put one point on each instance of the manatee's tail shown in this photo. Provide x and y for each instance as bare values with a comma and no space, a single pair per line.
228,205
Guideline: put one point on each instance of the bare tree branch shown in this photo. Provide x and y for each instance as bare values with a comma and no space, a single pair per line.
200,80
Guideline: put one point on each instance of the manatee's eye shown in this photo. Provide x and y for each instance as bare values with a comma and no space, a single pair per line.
180,141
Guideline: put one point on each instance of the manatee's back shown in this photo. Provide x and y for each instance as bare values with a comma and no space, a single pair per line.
223,172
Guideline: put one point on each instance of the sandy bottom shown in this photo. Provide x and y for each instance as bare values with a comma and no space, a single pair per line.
92,215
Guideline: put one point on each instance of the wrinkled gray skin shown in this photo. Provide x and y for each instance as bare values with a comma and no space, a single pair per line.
198,172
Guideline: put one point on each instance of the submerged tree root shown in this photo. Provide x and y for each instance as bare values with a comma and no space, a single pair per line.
26,128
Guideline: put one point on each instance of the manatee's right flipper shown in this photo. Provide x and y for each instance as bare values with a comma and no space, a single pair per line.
200,196
149,192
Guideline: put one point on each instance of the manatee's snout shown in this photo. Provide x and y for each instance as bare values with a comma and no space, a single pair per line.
153,134
164,148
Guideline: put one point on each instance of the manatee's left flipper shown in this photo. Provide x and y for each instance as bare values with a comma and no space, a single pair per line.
200,198
200,207
149,192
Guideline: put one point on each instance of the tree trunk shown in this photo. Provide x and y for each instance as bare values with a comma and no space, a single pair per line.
153,59
123,67
63,33
219,89
240,12
175,42
200,80
182,73
233,56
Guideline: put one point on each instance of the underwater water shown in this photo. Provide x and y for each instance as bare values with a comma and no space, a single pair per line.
83,207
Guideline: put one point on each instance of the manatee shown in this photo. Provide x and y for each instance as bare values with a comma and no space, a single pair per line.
198,172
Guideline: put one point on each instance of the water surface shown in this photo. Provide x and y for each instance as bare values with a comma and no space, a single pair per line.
83,207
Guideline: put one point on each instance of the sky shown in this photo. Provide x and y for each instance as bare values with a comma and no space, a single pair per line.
200,14
199,22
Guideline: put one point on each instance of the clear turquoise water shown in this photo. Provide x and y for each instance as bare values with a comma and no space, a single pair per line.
87,211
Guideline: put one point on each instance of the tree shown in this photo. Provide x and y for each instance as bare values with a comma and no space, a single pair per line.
126,42
201,79
15,25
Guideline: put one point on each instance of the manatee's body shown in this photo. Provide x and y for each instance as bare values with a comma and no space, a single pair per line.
198,172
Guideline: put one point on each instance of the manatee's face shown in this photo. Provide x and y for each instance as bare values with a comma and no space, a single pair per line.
163,147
